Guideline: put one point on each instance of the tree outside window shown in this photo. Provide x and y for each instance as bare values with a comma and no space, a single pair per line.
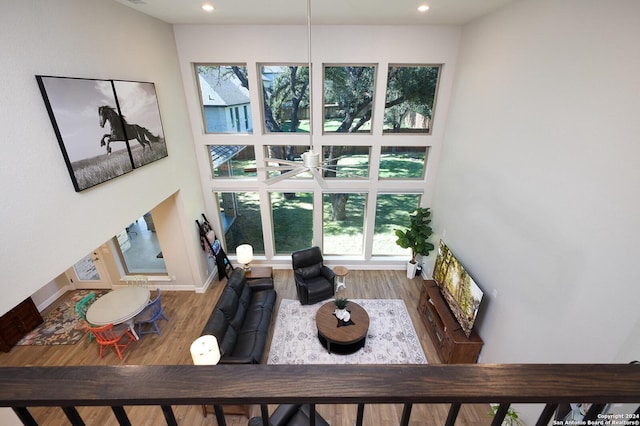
348,98
410,98
285,98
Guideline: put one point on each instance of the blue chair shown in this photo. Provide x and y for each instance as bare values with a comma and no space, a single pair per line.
151,314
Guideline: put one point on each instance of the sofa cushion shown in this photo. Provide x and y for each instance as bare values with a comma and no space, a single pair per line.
233,311
245,296
237,281
251,344
264,299
257,319
218,325
228,304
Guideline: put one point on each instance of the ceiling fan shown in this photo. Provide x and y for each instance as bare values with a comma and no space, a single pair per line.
311,160
310,163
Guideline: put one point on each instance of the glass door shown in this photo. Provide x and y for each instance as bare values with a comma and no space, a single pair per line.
89,272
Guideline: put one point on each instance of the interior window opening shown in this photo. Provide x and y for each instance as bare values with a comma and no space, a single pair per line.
139,249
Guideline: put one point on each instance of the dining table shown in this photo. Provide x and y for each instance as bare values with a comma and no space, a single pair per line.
119,306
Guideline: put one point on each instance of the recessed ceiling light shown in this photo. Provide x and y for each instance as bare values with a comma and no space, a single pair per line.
207,7
423,8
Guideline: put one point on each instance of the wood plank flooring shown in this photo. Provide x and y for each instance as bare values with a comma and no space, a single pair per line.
188,312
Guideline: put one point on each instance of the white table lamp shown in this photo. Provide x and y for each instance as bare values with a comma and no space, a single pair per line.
244,255
205,350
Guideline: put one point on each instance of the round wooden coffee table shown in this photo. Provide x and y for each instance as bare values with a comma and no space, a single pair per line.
340,337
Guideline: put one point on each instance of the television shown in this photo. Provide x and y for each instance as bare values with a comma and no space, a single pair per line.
457,287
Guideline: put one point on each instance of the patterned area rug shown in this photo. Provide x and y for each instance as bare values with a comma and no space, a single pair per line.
62,325
391,338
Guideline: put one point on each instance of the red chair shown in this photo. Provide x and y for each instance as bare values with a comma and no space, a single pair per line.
110,335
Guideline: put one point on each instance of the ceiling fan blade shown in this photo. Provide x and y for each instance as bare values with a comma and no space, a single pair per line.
286,175
281,161
316,174
267,169
345,177
275,168
335,159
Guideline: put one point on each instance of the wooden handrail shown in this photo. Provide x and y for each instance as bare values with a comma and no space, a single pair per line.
225,384
118,386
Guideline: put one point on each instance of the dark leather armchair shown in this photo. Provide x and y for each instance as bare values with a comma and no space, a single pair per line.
290,415
314,281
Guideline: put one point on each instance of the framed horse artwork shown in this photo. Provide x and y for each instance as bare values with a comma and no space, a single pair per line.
105,128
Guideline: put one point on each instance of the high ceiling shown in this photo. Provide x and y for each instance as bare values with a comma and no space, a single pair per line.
325,12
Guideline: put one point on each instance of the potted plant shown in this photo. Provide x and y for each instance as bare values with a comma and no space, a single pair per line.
416,237
341,309
511,419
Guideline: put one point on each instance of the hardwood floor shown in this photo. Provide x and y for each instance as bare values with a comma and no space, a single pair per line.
188,312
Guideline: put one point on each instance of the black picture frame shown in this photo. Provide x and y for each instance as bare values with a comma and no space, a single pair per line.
105,128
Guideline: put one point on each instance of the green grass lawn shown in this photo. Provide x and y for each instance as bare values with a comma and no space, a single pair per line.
293,215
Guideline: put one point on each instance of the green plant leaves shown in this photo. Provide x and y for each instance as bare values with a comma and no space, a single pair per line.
416,237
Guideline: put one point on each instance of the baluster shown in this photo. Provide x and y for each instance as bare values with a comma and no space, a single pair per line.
169,416
501,413
220,415
453,414
264,411
593,412
312,414
121,415
547,414
360,414
406,414
73,416
25,416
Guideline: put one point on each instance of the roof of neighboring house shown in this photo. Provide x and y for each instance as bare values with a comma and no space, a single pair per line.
222,153
220,87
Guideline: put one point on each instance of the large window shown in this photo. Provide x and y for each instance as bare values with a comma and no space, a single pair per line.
241,221
346,161
410,98
348,98
392,212
224,98
292,215
362,158
402,162
232,161
285,98
343,229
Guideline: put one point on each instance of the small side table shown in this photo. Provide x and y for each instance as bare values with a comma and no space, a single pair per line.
341,276
259,272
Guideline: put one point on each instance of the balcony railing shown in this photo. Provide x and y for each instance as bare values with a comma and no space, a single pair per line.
174,385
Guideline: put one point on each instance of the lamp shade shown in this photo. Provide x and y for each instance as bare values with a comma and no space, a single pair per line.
205,350
244,253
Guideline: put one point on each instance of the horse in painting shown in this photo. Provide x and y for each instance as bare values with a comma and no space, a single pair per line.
121,131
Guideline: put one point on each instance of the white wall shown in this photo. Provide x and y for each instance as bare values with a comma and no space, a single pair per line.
45,226
538,185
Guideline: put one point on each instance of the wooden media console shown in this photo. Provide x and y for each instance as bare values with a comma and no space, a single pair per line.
452,344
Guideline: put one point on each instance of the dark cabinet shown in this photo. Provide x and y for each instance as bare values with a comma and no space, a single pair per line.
453,346
16,323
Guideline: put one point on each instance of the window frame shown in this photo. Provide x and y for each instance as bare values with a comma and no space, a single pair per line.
375,67
435,97
203,117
